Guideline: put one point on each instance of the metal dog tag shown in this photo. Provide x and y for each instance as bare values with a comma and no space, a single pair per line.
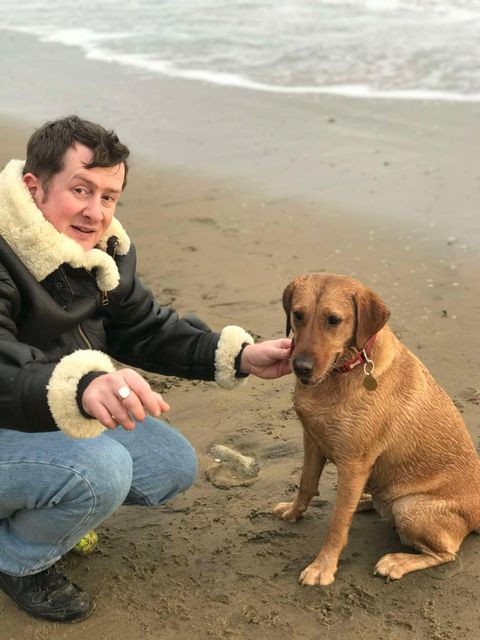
369,382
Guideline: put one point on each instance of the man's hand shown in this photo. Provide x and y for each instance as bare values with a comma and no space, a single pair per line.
269,359
101,399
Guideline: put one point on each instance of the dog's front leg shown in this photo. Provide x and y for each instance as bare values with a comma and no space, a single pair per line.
351,482
313,463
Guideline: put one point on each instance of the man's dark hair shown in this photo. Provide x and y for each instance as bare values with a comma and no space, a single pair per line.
48,144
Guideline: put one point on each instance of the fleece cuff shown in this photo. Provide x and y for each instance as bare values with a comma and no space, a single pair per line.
62,392
229,346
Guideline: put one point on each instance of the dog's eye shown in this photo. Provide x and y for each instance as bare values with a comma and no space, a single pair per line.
298,315
333,320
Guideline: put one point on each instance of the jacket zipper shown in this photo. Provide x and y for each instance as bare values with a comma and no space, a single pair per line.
114,253
114,250
84,336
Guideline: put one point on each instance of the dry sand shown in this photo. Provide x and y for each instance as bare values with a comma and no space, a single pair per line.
231,195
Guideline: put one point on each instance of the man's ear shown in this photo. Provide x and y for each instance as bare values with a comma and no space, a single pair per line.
372,315
32,183
287,304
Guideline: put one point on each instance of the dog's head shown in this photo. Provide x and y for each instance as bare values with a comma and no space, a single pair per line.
329,315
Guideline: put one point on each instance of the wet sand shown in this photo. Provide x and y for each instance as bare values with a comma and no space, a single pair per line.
231,195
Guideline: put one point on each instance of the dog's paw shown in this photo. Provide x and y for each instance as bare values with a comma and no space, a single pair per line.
365,503
317,574
286,511
392,566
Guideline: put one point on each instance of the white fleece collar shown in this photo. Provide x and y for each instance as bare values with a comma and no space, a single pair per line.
40,246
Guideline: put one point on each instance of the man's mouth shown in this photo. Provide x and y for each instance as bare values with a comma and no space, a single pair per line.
86,230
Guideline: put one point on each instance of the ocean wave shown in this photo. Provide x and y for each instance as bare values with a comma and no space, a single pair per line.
360,48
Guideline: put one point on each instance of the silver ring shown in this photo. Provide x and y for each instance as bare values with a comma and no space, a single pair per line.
124,392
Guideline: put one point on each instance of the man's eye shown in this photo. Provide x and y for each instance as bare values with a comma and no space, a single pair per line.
333,320
80,190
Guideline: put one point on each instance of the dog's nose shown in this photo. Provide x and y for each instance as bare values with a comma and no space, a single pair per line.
303,366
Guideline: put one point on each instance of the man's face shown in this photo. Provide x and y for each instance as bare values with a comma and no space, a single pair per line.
79,202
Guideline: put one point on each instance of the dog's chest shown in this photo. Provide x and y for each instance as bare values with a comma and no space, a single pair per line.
330,428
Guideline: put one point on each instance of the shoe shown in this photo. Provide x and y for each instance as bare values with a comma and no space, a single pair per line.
49,595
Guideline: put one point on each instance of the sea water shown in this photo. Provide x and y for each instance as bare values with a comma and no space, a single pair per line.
380,48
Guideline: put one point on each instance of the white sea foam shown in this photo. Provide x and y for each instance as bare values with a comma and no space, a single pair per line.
397,49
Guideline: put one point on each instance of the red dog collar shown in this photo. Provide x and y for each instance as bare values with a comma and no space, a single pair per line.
361,357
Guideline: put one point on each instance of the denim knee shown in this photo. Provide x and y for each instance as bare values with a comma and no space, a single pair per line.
108,472
174,478
164,462
186,467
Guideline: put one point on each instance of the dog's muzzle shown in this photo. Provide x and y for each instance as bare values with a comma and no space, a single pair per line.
303,367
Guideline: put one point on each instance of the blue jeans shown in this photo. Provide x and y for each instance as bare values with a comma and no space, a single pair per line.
54,489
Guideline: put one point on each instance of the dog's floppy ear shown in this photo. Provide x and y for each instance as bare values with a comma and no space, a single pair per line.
287,303
372,315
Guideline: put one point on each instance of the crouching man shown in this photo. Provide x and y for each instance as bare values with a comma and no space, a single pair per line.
78,437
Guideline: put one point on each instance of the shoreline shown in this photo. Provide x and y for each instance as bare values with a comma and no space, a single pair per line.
144,63
309,148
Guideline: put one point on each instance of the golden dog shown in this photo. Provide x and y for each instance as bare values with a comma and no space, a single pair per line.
370,406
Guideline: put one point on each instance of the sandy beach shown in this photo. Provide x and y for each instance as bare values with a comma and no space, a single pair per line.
231,194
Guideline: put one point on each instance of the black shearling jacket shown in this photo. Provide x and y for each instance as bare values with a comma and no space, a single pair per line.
64,310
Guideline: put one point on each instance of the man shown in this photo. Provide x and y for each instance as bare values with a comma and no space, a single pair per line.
79,437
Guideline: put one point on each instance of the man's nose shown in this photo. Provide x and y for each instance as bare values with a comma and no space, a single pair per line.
94,210
303,365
